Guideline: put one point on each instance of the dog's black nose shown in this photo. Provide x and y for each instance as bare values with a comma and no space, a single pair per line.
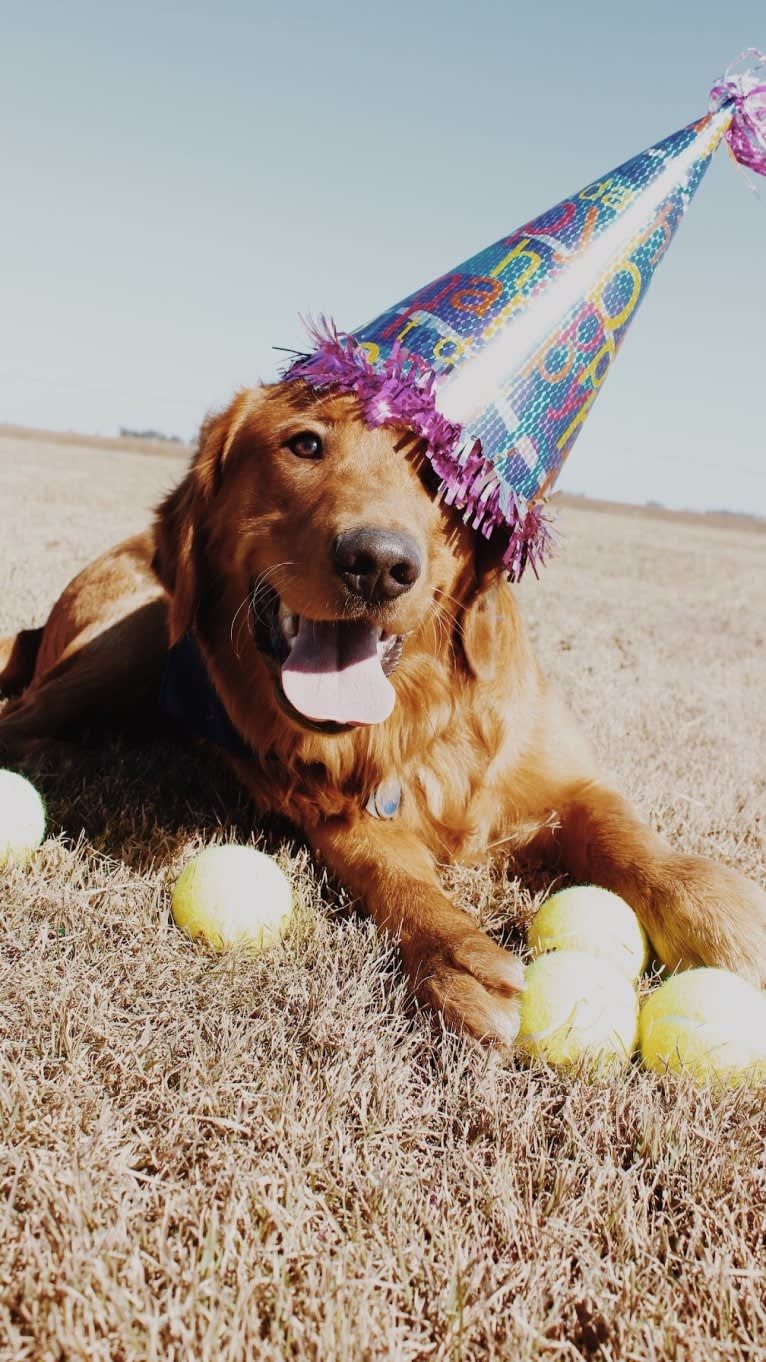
378,565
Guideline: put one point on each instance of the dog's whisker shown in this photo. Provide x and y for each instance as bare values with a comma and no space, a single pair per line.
442,621
452,618
242,625
261,584
445,596
240,607
265,583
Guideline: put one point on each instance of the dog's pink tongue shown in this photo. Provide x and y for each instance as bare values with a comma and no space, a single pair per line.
333,673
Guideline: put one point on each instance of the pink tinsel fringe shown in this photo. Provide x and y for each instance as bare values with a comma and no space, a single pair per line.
746,134
399,391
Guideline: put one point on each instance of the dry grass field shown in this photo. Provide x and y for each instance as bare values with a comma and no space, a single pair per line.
216,1159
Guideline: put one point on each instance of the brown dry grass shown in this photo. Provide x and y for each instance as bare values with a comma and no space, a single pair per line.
215,1159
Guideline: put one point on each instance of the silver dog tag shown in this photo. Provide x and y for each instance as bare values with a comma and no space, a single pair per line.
385,799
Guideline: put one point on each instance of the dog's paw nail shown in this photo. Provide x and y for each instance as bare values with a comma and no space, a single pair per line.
507,1028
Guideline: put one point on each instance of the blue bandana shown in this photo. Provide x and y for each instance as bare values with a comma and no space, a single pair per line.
189,697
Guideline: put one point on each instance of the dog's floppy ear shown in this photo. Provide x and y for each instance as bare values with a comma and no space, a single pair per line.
482,623
175,554
181,519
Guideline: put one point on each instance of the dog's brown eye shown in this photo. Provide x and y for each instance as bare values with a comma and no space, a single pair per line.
306,445
430,479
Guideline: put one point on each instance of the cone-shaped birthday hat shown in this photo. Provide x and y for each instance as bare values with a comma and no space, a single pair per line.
496,364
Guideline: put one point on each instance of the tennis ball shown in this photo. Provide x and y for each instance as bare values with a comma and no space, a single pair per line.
233,895
587,918
708,1023
22,819
578,1008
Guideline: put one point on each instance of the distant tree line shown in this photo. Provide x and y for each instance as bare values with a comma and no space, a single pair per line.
150,435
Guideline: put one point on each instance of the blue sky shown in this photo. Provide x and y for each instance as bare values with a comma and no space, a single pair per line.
180,181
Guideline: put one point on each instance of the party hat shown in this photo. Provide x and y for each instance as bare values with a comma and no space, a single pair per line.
496,364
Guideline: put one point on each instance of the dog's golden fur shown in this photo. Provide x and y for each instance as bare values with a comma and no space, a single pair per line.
484,749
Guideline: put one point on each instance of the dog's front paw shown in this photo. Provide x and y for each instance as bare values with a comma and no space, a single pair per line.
711,915
472,982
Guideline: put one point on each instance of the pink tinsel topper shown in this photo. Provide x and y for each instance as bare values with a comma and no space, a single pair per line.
746,135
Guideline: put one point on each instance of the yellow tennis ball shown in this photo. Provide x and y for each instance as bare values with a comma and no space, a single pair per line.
587,918
22,819
233,895
708,1023
578,1008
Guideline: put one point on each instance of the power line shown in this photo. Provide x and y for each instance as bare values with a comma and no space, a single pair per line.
107,392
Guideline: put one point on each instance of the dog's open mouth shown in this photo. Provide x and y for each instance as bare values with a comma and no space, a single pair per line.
332,672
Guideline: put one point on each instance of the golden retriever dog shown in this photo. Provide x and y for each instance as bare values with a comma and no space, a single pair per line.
369,654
